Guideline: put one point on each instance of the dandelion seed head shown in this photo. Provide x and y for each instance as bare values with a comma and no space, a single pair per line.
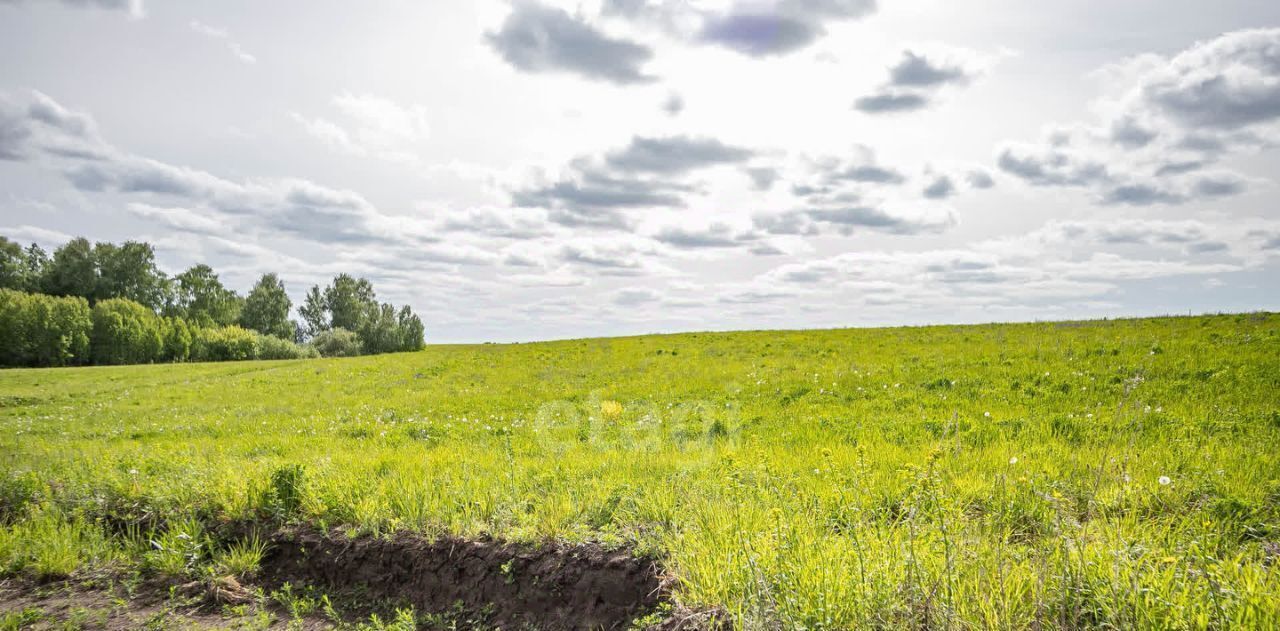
1164,480
1013,460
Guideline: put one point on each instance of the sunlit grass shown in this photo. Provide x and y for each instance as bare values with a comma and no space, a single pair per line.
1059,475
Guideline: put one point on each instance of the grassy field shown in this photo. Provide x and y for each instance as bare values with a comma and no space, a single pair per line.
1119,474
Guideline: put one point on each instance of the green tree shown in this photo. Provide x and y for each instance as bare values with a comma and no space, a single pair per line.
36,261
337,342
129,271
314,312
72,271
266,309
178,338
125,332
40,330
411,330
226,343
200,298
380,331
349,301
13,266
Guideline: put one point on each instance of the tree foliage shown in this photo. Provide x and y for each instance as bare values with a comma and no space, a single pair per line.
72,271
201,298
314,313
227,343
337,342
350,304
266,309
109,303
129,271
40,330
125,332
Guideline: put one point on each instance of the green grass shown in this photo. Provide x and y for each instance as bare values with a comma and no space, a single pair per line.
1000,476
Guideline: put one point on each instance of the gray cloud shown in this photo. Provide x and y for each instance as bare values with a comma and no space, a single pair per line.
133,7
14,135
1127,133
674,104
889,102
1050,167
760,34
1227,83
1140,195
868,173
940,188
749,27
866,217
537,39
35,123
1058,164
1178,116
291,207
978,178
762,178
594,199
918,71
749,297
674,155
604,259
1222,185
1178,168
647,173
714,236
505,224
634,297
1191,237
833,175
846,220
912,84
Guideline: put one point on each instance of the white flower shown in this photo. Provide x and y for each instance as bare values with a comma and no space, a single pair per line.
1164,480
987,414
1013,460
133,472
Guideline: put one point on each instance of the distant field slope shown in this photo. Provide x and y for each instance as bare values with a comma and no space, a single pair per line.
1121,474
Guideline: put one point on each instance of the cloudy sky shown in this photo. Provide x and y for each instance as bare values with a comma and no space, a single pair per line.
560,168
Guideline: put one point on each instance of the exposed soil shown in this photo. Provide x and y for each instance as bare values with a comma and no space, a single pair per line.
469,584
104,606
504,585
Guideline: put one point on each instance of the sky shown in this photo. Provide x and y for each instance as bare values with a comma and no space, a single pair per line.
537,169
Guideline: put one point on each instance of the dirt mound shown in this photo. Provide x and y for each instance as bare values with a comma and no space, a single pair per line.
512,586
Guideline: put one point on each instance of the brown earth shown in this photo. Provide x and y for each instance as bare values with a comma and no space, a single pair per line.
470,584
554,586
106,606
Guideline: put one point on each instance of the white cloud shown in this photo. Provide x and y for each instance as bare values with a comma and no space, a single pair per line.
372,126
1165,124
236,49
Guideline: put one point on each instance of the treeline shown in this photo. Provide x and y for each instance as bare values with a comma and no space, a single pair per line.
110,304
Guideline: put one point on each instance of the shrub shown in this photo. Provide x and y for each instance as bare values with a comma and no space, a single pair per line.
39,330
227,343
178,339
337,342
125,332
271,347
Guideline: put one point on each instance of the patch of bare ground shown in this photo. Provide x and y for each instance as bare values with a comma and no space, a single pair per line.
551,586
312,580
113,606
